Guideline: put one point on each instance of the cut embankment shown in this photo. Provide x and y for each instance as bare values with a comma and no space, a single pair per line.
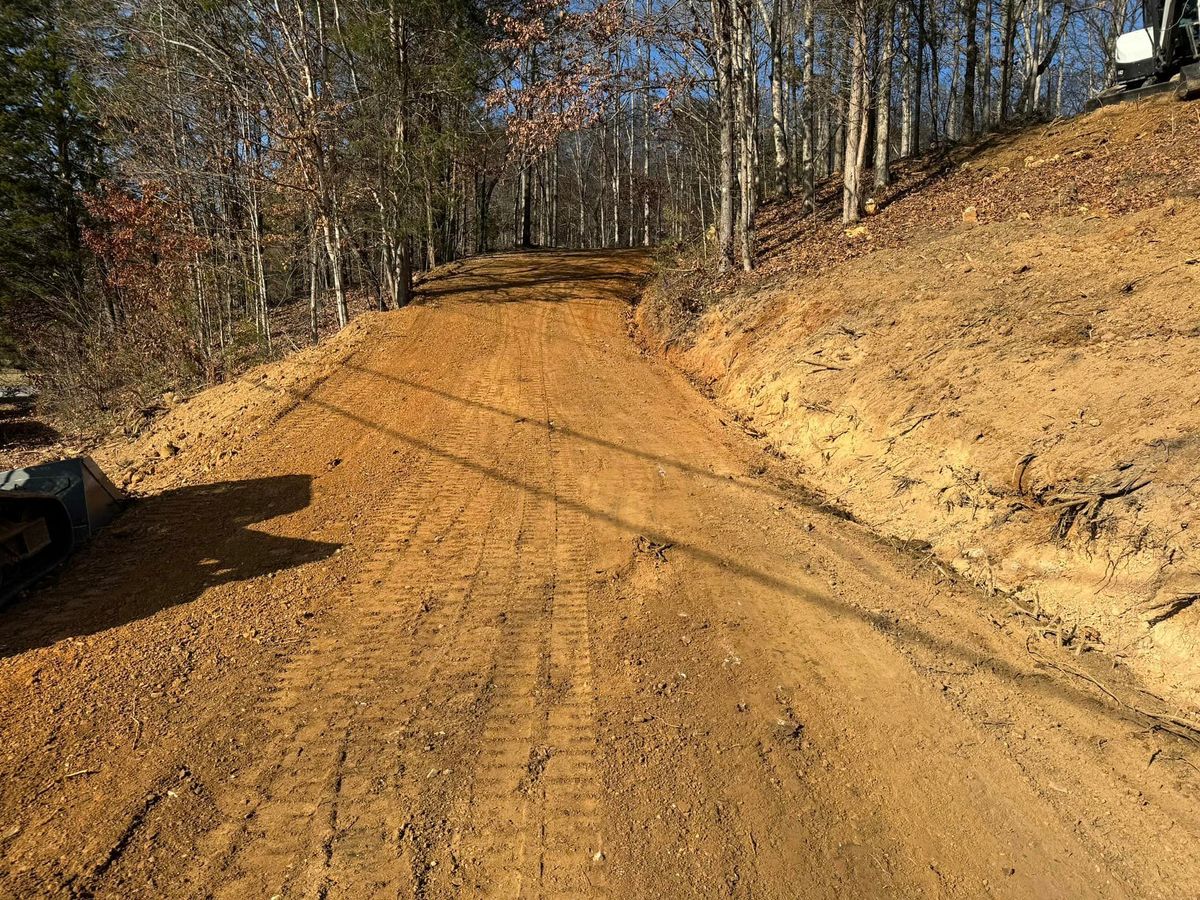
1020,395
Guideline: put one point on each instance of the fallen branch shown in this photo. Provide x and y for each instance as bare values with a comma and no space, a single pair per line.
821,367
63,778
1177,725
1066,635
1160,612
916,420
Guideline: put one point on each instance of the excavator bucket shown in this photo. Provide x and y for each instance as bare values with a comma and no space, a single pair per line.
1189,82
47,511
1123,94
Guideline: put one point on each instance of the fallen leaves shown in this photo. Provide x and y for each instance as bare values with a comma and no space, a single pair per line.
1079,166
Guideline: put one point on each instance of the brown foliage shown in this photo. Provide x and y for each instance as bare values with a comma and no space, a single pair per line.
113,351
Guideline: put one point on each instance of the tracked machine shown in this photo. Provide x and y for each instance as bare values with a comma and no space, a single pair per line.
1160,57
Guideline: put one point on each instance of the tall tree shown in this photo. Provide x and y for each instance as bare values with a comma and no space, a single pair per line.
971,27
856,113
883,100
49,155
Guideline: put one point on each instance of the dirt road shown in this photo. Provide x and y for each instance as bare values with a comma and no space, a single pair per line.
503,608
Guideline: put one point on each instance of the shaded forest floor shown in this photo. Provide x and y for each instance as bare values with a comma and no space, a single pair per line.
999,367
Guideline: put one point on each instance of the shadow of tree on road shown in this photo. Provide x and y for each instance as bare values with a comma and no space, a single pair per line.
903,632
788,491
163,551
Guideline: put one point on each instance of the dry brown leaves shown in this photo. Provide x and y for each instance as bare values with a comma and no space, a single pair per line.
1114,161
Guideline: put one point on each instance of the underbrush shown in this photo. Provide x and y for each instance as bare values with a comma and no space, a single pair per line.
682,289
116,377
105,378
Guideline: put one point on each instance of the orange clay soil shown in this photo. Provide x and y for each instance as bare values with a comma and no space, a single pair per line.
1020,395
488,603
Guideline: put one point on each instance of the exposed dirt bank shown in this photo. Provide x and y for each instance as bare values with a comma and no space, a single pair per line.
1021,394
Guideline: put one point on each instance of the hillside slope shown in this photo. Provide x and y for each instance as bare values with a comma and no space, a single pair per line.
1002,366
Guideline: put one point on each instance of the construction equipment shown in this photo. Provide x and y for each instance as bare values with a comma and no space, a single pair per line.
46,511
1162,56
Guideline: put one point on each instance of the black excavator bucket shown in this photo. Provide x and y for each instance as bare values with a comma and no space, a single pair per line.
47,511
1124,94
1185,85
1189,82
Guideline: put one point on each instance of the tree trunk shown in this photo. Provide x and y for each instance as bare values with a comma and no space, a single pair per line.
525,209
809,107
313,287
646,225
971,14
918,78
616,162
333,249
745,73
855,120
723,38
632,196
405,273
773,17
883,103
935,80
987,95
1008,39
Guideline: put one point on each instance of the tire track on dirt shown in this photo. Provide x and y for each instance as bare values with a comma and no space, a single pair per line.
330,728
303,426
563,840
490,824
362,394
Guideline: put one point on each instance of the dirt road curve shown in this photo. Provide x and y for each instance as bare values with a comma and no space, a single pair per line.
503,608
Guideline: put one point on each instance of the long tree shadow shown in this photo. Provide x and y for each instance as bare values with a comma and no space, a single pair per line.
904,632
562,283
163,551
790,492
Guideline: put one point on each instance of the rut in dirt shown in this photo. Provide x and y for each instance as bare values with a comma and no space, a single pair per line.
502,607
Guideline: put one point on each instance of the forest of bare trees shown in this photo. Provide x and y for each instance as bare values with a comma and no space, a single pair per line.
190,187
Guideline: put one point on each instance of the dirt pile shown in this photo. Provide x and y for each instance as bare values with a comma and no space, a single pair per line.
1020,395
187,440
